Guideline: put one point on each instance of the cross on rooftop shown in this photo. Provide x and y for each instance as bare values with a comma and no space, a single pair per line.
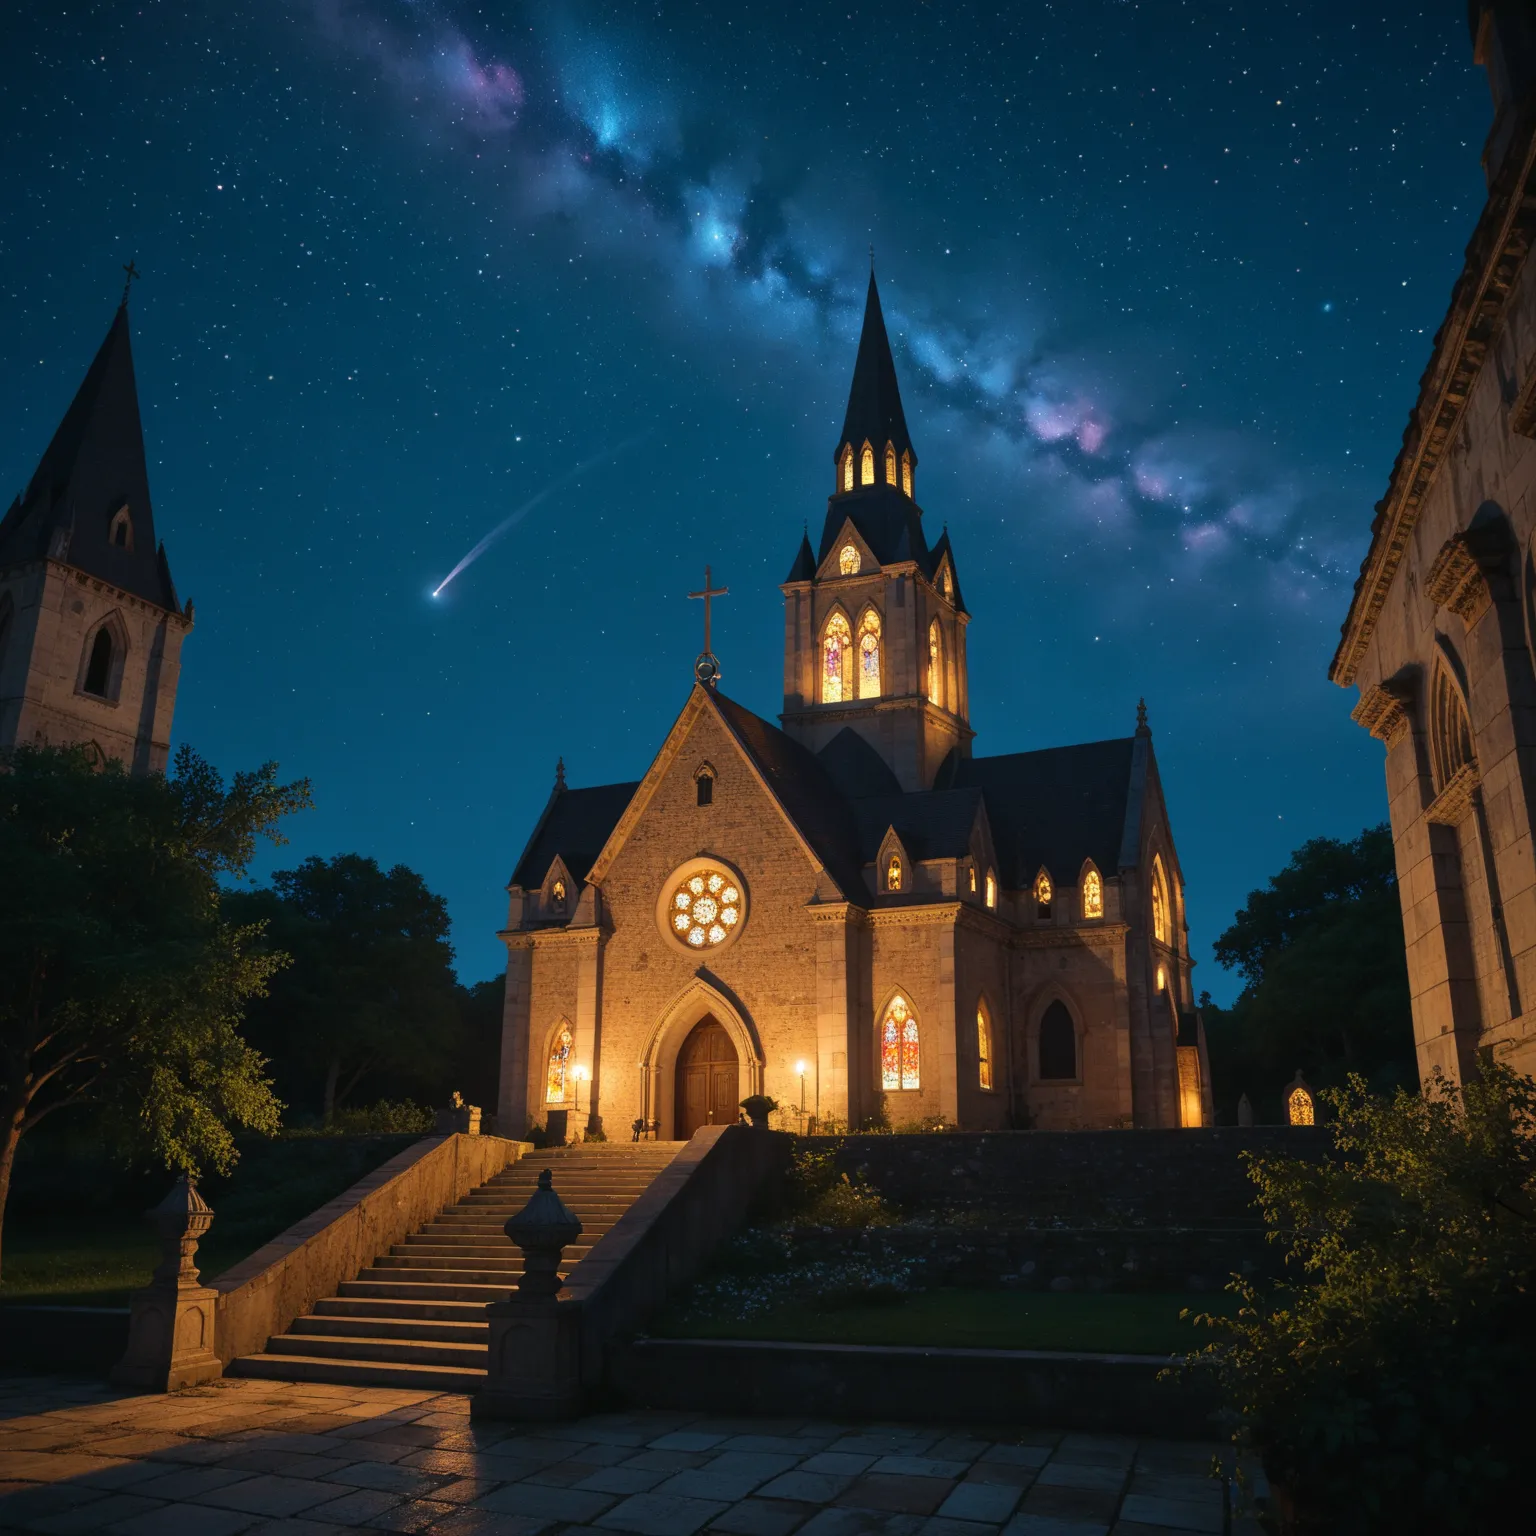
706,668
132,272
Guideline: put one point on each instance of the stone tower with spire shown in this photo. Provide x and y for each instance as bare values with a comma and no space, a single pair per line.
90,624
874,625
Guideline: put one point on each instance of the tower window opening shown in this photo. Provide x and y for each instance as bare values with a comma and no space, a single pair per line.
983,1046
98,671
935,665
1162,926
991,889
705,786
848,560
867,466
973,879
1044,893
836,645
893,873
906,473
869,655
847,475
120,530
890,465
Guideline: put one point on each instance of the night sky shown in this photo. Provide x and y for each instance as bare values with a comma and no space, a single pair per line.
1161,279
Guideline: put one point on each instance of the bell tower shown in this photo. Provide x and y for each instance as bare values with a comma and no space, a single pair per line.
874,625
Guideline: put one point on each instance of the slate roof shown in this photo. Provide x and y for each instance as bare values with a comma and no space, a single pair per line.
889,522
804,567
874,400
575,825
932,823
94,464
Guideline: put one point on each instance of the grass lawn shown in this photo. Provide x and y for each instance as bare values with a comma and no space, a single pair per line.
1110,1322
95,1261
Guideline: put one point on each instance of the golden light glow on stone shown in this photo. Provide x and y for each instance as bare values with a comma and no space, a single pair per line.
836,645
984,1045
869,655
867,466
559,1064
1299,1109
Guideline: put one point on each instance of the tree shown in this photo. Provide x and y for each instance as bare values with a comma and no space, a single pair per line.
1320,950
122,982
371,992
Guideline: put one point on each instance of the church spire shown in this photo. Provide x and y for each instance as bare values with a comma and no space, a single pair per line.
875,420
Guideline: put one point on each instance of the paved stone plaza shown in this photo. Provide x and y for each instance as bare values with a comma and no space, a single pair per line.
294,1459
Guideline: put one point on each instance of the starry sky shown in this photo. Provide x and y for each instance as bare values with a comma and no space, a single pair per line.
1161,278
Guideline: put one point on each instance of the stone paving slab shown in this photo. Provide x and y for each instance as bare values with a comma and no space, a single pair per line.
265,1458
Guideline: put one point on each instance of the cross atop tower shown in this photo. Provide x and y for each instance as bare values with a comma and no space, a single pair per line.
130,272
706,666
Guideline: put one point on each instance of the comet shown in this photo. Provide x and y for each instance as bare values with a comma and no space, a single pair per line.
512,519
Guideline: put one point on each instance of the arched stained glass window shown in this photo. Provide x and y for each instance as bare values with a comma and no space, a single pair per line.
1058,1044
1093,893
847,475
906,473
935,665
98,670
1043,894
867,466
869,655
983,1046
836,646
890,465
848,561
559,1067
557,893
1162,924
899,1063
893,873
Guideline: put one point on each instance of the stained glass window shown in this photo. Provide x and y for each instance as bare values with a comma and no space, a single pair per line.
1043,893
946,577
869,655
706,908
848,469
893,874
890,465
835,648
559,1066
867,466
898,1047
848,561
557,893
1298,1107
906,473
991,889
1161,927
935,665
984,1045
973,879
1093,894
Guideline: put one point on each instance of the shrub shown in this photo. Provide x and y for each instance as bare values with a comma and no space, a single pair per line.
819,1196
1387,1381
383,1118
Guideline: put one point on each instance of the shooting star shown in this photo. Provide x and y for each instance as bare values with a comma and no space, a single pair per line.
512,519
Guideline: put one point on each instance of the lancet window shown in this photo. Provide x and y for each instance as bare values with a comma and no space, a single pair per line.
991,889
1162,922
98,670
983,1046
1057,1044
848,561
867,466
906,473
558,1076
869,655
893,873
557,895
1044,893
890,465
1093,893
846,476
1451,738
935,665
836,652
899,1055
120,530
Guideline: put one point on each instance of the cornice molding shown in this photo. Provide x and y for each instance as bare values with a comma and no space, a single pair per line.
565,938
1386,711
1456,581
67,572
1104,935
1454,803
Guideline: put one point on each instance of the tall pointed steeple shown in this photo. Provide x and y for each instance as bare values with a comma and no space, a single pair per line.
874,402
87,502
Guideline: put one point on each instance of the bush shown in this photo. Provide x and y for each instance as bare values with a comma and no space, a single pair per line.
1387,1382
384,1118
819,1196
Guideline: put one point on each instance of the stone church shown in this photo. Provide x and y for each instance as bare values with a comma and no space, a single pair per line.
90,625
849,910
1441,633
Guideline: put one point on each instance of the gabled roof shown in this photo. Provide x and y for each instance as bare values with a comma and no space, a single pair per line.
858,771
940,550
804,568
1053,808
932,823
874,401
575,825
889,522
94,465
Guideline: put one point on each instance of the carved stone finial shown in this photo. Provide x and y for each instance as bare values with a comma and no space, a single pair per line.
542,1229
180,1220
559,773
1142,728
1244,1111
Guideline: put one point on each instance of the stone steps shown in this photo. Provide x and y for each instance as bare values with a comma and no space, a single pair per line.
415,1317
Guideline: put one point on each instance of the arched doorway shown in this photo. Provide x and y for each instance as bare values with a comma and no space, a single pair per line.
707,1079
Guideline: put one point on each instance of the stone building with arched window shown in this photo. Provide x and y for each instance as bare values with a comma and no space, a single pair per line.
859,909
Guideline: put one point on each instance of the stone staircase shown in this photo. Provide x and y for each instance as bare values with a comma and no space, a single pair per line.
416,1316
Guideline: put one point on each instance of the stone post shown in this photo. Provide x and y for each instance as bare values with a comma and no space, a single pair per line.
534,1365
170,1322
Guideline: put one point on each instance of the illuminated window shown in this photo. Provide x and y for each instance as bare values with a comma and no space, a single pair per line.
983,1046
906,473
120,531
559,1067
1057,1044
98,671
1299,1109
1162,978
869,655
867,466
1043,894
1162,926
890,465
836,647
947,581
935,665
973,879
557,893
705,909
991,889
848,561
1093,894
893,874
898,1047
848,469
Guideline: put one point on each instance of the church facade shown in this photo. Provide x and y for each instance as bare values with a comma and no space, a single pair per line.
1440,638
849,910
90,625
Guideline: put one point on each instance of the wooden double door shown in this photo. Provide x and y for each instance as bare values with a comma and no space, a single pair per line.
708,1079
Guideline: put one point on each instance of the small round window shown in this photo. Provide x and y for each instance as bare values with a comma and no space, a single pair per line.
706,909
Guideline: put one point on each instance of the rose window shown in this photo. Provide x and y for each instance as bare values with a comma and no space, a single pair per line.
706,907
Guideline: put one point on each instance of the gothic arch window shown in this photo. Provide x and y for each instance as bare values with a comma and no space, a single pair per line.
991,889
847,470
1162,916
983,1045
1045,893
869,655
704,784
947,581
935,665
900,1056
836,660
893,872
848,560
867,466
1450,731
557,895
120,529
890,465
906,473
1057,1045
102,663
972,873
1092,886
558,1080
